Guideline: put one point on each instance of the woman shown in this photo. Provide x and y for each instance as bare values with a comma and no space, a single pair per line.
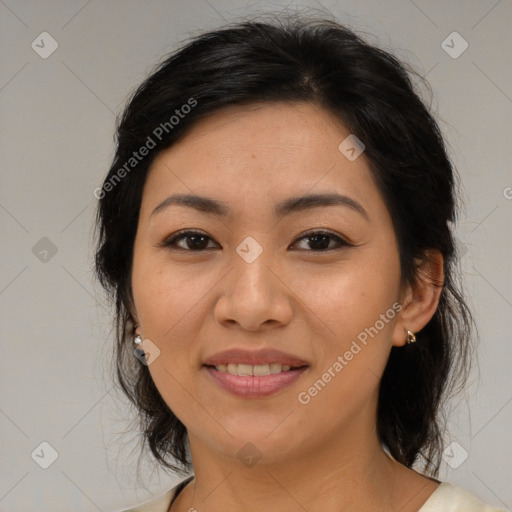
275,233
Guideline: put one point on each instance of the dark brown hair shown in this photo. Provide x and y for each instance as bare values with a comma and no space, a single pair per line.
297,59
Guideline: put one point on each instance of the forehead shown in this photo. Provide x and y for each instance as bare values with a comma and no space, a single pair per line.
254,154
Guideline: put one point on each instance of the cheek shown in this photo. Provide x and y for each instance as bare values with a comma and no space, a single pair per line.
166,296
351,296
352,353
169,306
358,307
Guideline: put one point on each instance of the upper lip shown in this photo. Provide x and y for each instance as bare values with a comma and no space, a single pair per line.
254,357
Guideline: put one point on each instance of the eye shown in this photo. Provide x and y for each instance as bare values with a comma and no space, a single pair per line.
322,239
195,241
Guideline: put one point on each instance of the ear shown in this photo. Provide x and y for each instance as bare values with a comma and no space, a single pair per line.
133,325
421,298
134,321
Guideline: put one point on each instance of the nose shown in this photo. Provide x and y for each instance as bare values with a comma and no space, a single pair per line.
254,296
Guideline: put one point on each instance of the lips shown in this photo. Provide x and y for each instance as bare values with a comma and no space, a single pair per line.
250,386
254,374
254,358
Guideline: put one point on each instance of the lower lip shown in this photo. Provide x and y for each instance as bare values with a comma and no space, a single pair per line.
255,387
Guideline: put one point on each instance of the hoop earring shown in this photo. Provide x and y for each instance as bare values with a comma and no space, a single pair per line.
411,337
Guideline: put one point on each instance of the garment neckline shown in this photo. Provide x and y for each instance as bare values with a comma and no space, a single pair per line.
430,500
434,497
177,490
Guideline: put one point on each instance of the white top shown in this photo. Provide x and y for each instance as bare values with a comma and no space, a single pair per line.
446,498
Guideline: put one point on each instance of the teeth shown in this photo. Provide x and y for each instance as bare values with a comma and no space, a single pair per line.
276,368
258,370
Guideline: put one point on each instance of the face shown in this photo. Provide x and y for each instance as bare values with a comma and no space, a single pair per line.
316,283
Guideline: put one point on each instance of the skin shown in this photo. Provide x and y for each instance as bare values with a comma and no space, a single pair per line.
324,455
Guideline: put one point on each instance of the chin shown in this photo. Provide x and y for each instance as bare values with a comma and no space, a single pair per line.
266,445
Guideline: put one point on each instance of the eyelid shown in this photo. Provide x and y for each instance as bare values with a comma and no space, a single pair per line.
341,240
167,242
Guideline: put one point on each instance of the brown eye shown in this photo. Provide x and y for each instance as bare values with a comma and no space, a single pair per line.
197,241
319,241
194,241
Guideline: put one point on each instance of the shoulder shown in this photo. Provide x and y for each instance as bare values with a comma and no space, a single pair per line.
162,502
450,498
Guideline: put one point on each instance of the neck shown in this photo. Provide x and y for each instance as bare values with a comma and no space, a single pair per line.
353,473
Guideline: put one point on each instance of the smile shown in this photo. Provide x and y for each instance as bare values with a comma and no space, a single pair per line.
254,381
257,370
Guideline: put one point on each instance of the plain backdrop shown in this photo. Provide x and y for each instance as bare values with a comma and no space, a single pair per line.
58,115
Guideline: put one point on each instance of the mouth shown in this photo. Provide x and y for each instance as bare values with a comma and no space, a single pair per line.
254,381
257,370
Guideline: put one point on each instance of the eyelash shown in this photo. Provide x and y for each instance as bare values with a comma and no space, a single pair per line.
170,242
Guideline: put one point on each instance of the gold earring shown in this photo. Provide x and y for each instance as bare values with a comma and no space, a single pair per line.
411,337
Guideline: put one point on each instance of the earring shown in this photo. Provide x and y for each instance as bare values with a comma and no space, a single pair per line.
139,351
411,337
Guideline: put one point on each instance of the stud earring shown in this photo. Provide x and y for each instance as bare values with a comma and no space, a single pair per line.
139,351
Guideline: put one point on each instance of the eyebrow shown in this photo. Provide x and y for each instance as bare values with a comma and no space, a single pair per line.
290,205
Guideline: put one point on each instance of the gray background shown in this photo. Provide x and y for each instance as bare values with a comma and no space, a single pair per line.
56,133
